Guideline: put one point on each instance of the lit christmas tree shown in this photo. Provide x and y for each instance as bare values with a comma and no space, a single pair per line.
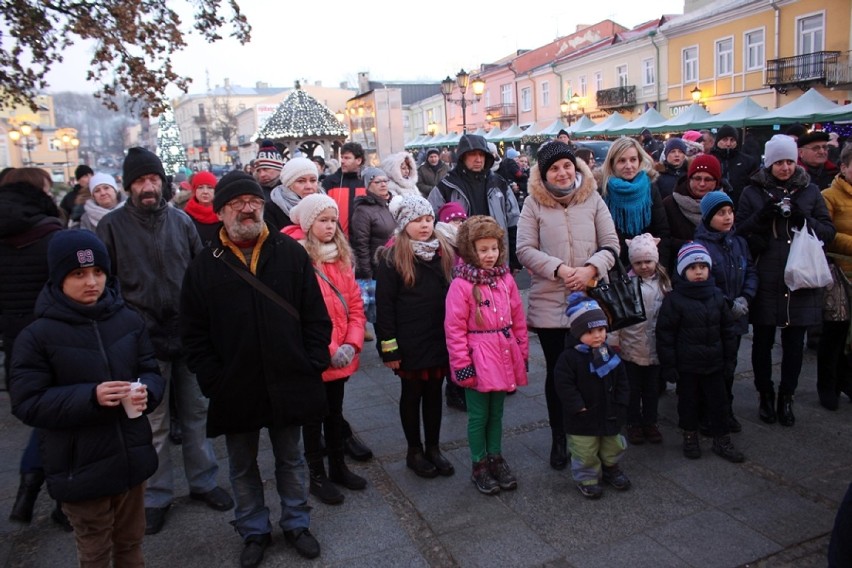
301,116
169,147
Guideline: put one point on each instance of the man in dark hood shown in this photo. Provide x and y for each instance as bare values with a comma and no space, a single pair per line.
813,156
737,167
651,145
430,172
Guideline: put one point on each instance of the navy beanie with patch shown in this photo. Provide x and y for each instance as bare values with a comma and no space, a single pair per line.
72,249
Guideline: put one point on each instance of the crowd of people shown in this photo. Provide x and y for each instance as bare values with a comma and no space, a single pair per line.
127,318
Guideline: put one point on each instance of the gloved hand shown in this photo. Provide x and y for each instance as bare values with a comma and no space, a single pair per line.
740,307
797,218
670,374
343,356
769,212
465,377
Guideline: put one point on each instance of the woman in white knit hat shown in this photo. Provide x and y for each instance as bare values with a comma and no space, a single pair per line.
780,198
105,198
298,179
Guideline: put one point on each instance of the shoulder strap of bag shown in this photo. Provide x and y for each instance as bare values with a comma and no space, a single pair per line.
334,288
258,285
618,267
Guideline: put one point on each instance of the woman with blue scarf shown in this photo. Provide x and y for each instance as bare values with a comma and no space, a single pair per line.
630,191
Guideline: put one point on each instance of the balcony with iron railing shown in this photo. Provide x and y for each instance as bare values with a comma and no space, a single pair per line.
504,112
840,75
616,98
801,70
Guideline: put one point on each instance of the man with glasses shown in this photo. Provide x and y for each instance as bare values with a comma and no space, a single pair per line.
813,157
257,332
150,245
737,166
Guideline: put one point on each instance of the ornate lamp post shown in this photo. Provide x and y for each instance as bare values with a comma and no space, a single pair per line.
463,81
22,136
67,141
696,96
570,106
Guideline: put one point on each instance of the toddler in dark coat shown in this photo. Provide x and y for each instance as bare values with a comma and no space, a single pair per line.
71,378
592,385
695,344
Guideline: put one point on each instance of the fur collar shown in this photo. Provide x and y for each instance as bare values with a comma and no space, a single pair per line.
538,192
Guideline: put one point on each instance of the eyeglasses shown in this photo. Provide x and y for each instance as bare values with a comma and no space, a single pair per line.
254,204
820,148
385,181
703,179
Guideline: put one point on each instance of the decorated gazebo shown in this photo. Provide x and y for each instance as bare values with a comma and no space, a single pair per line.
302,123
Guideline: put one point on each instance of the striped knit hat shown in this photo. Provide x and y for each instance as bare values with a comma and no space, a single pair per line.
692,253
269,157
584,314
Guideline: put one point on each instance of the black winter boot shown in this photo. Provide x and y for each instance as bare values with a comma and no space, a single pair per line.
691,446
60,518
441,463
339,473
785,410
723,447
22,510
321,486
559,451
482,478
417,462
767,407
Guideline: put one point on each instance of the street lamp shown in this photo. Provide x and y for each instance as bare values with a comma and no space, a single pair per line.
569,108
22,136
696,96
463,81
67,141
432,128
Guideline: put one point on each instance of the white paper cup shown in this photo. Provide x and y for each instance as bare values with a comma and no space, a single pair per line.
131,410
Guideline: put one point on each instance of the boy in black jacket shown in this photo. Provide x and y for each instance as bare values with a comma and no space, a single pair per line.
592,384
696,345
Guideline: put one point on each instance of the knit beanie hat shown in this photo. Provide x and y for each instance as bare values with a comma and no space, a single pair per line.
269,157
692,253
706,163
296,168
480,227
234,184
712,202
511,153
140,162
563,131
691,136
451,211
83,170
643,247
73,249
101,178
431,151
675,144
309,208
203,178
551,153
727,131
796,130
369,173
780,147
584,314
406,208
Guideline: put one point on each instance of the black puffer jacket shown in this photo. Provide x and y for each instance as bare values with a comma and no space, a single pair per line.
150,251
413,316
769,236
372,226
695,329
605,398
258,365
737,169
88,450
28,220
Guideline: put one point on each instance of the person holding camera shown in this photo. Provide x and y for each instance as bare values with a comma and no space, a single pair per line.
780,198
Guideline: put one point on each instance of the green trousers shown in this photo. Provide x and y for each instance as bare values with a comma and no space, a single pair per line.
588,453
484,422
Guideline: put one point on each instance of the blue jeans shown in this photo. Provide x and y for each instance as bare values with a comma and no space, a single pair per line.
199,461
251,515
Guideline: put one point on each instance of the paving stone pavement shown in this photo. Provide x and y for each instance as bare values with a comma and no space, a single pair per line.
776,509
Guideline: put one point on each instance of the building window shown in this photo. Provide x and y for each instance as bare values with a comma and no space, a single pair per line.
599,81
545,94
621,75
487,98
754,50
810,34
506,94
649,72
690,64
583,88
526,99
725,57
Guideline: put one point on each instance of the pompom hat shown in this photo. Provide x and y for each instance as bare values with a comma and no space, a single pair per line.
406,208
306,211
296,168
584,314
692,253
643,247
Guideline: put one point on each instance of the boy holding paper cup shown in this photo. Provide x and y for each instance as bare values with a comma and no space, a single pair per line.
72,370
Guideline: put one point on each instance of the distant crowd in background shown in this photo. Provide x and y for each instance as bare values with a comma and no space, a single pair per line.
150,310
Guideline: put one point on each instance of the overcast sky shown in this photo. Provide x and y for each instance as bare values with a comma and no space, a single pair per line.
332,41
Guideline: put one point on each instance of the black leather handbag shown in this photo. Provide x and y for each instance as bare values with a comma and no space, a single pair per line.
621,297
